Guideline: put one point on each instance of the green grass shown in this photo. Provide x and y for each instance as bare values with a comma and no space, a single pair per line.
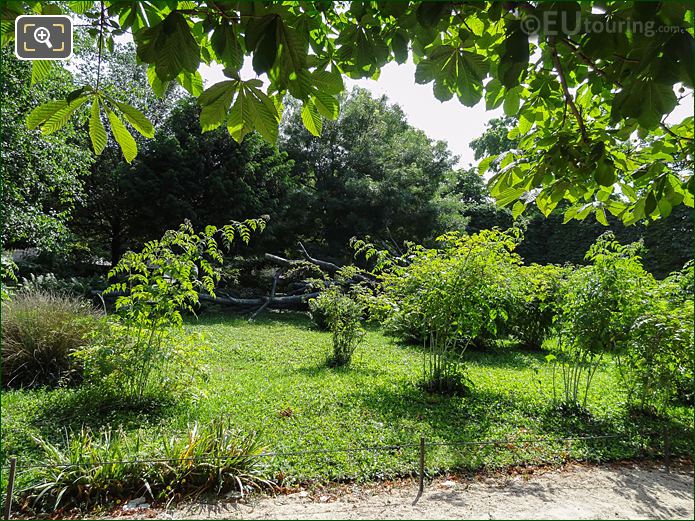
270,376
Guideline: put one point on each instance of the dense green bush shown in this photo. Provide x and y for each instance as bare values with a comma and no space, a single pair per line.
41,331
343,308
448,296
318,312
656,362
536,303
208,457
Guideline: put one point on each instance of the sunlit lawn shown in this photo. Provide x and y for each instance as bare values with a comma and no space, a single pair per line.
270,377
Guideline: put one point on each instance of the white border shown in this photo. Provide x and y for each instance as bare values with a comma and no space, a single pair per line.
16,41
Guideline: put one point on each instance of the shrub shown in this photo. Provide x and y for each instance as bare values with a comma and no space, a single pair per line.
78,286
449,296
658,355
41,331
535,305
318,312
656,363
344,309
135,362
97,468
165,278
8,275
600,304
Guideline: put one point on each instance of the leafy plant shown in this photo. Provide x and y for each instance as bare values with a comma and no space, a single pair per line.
658,355
448,296
90,468
158,284
41,331
536,302
8,276
599,306
343,310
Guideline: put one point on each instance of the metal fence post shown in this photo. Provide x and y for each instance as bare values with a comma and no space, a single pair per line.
10,488
422,465
421,470
667,449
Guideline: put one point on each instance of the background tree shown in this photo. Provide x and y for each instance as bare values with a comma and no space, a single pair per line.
370,173
554,239
41,176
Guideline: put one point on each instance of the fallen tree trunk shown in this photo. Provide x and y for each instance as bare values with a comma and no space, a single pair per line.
277,302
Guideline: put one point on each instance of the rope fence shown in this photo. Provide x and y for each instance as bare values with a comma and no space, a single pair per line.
11,466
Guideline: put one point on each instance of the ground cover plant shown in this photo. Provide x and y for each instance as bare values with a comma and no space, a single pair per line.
270,377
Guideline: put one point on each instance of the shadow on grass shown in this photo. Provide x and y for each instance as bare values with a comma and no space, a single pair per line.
324,368
93,408
211,318
445,418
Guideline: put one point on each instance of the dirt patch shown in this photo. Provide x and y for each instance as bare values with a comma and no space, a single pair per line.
619,491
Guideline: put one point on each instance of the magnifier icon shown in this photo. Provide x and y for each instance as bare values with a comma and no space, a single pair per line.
43,35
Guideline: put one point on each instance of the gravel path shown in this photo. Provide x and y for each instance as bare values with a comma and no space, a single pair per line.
618,491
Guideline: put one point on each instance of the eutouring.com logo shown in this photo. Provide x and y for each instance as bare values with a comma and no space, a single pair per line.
555,23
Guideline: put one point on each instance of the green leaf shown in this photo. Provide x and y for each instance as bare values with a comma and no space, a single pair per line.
311,118
262,39
41,113
485,164
159,87
191,81
601,216
605,173
511,102
215,102
41,69
266,117
241,118
472,68
97,132
494,94
327,105
509,195
61,116
137,119
518,209
647,101
514,55
328,82
170,46
123,137
253,109
226,46
399,46
428,14
80,7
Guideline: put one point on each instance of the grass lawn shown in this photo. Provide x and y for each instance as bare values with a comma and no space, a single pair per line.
270,376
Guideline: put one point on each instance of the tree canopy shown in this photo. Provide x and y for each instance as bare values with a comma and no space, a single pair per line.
590,100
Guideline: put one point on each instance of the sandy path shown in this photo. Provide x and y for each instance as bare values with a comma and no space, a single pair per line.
625,491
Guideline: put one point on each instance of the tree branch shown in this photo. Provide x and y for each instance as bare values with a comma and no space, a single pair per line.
101,43
566,90
673,134
588,61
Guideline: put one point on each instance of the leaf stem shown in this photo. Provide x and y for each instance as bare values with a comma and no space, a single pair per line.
566,91
101,43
